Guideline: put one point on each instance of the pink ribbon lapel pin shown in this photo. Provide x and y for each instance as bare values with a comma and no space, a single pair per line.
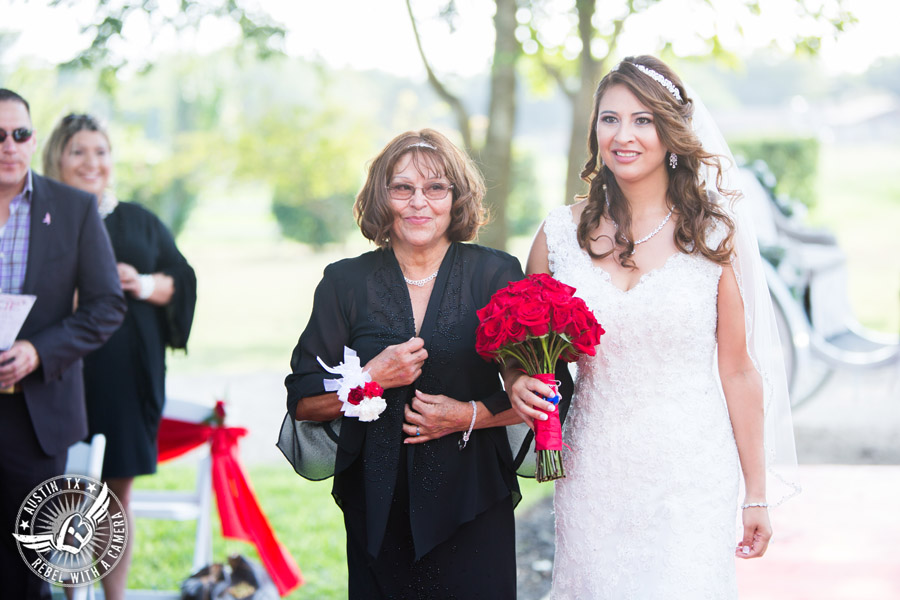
46,220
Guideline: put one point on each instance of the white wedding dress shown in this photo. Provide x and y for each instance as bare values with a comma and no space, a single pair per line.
648,508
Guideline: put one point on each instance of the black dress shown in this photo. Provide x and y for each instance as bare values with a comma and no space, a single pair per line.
429,520
124,379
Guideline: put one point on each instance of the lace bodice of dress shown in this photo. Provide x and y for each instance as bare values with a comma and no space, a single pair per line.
662,328
652,464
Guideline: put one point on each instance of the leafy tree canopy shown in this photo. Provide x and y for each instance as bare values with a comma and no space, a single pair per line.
257,29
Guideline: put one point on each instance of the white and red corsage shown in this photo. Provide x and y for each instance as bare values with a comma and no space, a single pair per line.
359,395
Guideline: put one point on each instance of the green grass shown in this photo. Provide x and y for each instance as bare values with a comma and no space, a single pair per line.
302,514
860,201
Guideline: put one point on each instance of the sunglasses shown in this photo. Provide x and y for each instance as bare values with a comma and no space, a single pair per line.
20,135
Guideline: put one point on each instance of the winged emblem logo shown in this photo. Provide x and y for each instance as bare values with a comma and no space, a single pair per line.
76,530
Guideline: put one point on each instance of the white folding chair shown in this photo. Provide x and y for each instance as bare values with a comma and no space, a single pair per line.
86,459
190,505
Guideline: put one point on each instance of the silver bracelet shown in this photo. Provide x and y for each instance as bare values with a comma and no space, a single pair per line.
465,437
755,505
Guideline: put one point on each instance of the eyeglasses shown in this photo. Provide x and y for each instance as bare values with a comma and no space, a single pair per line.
20,135
432,191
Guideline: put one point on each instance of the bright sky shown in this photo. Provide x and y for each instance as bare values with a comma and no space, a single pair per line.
375,34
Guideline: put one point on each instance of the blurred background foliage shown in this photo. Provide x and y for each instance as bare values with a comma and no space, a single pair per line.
302,130
794,162
249,153
297,131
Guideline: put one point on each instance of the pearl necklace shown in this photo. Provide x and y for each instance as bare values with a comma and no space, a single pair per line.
420,282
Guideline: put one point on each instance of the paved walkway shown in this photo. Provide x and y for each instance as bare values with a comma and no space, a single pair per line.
838,540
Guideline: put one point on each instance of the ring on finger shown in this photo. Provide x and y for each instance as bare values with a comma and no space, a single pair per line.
417,431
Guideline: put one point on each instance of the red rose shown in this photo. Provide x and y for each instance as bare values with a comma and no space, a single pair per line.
554,297
486,312
372,390
356,395
581,320
536,306
551,285
583,345
586,342
596,332
561,316
491,334
483,345
494,307
535,315
520,287
542,279
515,332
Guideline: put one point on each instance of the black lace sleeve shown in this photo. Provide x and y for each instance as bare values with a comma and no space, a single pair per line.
309,446
325,336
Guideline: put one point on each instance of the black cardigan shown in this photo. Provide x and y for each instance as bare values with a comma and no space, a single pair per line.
363,303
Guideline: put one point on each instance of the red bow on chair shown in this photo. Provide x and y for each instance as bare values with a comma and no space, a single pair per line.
239,511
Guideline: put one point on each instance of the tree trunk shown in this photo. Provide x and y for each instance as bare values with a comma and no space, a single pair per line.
455,103
497,153
582,102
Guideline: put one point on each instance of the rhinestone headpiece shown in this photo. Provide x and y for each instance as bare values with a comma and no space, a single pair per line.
421,145
659,78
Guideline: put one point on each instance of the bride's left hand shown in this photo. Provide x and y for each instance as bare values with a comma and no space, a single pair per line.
757,533
527,396
433,416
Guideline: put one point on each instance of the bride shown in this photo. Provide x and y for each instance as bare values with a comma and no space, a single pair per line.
685,386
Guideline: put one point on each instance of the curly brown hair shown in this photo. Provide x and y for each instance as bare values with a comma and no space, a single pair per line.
688,197
436,156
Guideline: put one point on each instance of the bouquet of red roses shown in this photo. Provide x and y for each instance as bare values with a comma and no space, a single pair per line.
535,322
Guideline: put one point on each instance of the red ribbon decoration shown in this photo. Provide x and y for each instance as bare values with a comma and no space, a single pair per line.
548,434
239,511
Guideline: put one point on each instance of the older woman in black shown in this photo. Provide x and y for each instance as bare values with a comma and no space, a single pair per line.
425,517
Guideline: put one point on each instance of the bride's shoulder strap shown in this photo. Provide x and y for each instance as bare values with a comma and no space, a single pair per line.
561,232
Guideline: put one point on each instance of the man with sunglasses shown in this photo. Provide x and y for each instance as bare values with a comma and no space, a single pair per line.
52,245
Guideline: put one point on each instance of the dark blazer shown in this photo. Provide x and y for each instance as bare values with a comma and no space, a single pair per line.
68,250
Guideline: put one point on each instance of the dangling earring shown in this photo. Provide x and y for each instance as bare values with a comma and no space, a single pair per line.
673,160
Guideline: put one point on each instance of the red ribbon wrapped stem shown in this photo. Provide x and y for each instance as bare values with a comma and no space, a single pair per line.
548,434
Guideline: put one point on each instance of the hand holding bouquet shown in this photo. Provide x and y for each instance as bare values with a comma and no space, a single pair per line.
534,323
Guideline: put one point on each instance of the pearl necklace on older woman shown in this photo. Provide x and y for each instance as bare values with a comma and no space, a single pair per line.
419,263
421,282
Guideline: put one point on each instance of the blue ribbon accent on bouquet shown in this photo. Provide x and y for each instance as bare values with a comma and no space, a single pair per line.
554,399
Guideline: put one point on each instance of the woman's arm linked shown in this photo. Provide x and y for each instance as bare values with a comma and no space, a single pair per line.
395,366
433,415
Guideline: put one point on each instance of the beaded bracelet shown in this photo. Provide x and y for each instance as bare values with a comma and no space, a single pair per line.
465,437
755,505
